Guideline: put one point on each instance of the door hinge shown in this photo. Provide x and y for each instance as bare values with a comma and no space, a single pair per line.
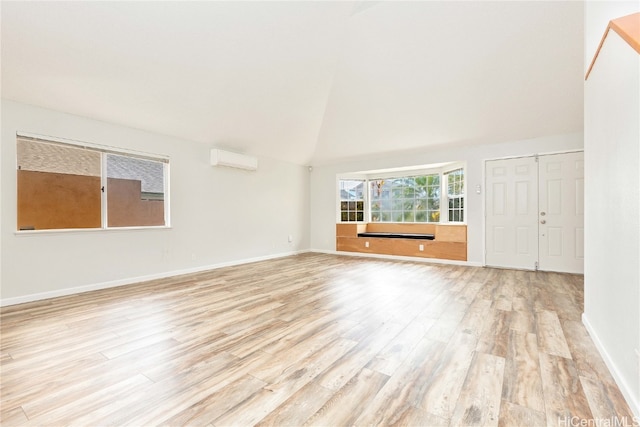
536,157
536,265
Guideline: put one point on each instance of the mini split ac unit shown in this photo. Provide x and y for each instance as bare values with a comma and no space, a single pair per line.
233,160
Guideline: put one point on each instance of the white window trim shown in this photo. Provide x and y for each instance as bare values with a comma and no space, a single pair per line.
103,148
365,195
404,172
444,203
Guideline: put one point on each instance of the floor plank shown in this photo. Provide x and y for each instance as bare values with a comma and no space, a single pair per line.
350,400
564,397
402,394
479,400
522,378
551,338
516,415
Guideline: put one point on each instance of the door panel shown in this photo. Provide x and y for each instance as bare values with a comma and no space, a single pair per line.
511,217
561,216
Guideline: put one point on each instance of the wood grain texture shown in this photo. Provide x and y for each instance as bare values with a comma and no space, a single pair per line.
385,227
310,339
450,240
404,247
495,333
479,400
564,397
516,415
451,233
551,338
522,382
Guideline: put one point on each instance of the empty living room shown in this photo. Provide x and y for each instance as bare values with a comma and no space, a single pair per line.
320,213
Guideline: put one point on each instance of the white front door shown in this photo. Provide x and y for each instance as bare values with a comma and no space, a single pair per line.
512,213
561,212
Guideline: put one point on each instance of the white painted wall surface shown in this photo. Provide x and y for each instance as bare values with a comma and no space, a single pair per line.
597,15
323,182
612,212
218,215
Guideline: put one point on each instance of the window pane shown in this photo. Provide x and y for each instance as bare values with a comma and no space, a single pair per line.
455,195
407,195
408,205
58,186
352,199
409,192
135,191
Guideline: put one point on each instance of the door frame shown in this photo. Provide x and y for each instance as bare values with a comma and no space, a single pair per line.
484,189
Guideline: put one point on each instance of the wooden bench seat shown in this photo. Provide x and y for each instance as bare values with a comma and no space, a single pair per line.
442,241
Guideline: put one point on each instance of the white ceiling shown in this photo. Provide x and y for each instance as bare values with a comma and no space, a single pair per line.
306,82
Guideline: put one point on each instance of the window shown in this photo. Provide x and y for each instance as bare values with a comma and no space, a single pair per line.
430,193
352,200
455,195
406,199
67,186
135,191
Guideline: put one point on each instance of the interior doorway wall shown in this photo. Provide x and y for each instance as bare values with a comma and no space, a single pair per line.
534,212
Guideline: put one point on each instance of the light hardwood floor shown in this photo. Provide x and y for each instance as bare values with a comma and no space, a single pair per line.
312,339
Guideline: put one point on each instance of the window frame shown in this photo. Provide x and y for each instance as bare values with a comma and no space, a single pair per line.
366,213
463,210
410,175
442,170
104,151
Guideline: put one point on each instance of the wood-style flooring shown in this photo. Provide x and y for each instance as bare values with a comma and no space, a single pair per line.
312,339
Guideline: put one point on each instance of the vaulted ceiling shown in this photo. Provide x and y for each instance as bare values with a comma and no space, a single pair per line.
306,82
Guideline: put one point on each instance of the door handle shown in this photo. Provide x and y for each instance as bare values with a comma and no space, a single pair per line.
543,222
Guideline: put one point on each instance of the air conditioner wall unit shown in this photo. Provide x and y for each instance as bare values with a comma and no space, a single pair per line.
233,160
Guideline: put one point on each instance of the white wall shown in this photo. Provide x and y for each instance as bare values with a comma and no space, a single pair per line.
612,210
323,182
218,215
597,15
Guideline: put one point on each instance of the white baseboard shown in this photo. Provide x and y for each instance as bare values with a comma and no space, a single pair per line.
623,385
399,258
132,280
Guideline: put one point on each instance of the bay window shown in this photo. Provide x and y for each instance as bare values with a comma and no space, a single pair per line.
425,196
